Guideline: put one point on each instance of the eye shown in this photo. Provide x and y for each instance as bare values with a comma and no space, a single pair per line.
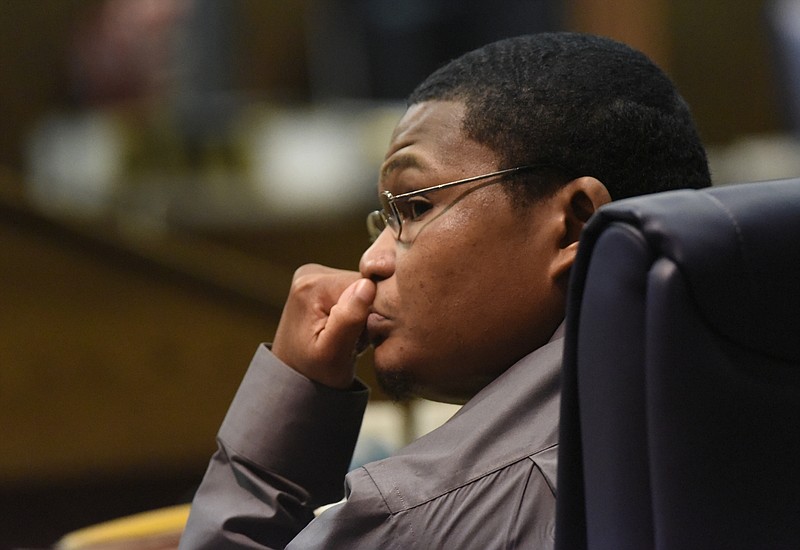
415,208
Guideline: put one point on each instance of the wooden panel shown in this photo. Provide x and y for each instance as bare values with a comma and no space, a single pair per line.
122,353
107,365
643,24
719,53
725,66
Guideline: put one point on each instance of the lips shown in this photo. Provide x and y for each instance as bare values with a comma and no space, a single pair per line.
377,328
375,317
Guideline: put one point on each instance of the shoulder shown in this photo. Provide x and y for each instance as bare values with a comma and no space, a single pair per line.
512,505
494,459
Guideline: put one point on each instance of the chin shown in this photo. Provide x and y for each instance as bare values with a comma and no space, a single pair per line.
398,384
401,384
395,381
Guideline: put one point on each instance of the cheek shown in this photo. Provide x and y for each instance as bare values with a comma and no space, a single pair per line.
427,284
442,287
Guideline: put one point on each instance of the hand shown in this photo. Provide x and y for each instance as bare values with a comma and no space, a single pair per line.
322,322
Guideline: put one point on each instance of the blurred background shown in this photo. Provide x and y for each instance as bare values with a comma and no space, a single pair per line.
165,165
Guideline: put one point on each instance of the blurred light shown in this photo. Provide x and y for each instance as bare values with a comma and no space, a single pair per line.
74,163
318,162
755,158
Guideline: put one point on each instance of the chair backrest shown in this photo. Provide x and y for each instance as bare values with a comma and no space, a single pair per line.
680,419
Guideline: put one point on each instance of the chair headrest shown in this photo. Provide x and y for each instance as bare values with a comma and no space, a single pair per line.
738,247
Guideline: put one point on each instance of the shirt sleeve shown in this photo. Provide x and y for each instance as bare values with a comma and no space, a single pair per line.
283,450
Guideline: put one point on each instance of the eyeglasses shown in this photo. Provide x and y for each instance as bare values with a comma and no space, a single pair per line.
396,210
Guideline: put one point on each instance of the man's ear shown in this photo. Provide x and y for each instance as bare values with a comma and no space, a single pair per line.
579,199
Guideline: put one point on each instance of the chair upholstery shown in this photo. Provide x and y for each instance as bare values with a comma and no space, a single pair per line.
680,419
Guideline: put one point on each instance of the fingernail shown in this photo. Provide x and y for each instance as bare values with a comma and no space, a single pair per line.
365,291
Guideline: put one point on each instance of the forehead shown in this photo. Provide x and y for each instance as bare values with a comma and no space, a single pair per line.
429,119
430,138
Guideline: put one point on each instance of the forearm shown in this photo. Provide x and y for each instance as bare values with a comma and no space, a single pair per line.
284,449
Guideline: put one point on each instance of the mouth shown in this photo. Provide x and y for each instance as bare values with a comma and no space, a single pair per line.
377,328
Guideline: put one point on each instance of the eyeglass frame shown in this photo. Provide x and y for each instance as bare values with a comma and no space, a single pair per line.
390,211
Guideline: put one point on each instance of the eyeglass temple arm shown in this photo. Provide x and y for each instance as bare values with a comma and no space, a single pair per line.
457,182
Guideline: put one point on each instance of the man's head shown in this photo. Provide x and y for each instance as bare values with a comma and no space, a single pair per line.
589,105
478,278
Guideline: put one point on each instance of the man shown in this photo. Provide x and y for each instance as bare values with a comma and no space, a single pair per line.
462,296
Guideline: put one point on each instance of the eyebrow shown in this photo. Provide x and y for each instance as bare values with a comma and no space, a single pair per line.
400,163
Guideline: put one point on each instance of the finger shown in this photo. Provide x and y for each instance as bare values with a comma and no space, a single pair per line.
347,319
315,290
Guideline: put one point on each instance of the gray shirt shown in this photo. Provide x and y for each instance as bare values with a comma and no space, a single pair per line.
485,479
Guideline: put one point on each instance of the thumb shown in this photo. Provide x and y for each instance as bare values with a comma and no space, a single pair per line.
347,319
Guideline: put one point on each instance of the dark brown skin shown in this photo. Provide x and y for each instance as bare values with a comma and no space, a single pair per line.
480,284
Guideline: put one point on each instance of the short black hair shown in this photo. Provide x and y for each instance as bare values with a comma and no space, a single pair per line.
589,105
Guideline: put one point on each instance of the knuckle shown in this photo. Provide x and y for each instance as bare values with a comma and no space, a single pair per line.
311,278
306,270
306,278
302,284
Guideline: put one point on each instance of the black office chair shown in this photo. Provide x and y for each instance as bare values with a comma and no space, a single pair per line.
680,424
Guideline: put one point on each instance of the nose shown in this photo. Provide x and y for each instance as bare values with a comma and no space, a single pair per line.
377,261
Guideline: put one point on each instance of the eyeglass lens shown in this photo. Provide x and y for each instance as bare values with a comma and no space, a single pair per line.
388,216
